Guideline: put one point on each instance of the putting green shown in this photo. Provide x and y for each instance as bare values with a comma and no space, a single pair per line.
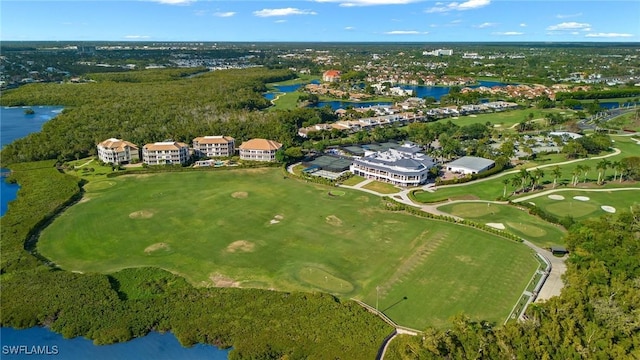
575,208
474,210
527,229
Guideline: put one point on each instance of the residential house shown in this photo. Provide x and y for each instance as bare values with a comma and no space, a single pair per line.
117,151
259,150
165,153
331,76
214,146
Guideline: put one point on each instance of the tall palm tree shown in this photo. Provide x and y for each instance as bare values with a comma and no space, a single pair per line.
505,182
586,169
556,174
602,167
516,181
524,176
615,165
576,173
538,174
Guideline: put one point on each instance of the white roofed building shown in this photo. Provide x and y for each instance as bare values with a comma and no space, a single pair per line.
470,165
404,165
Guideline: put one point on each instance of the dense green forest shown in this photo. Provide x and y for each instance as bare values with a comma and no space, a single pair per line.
111,308
597,316
149,106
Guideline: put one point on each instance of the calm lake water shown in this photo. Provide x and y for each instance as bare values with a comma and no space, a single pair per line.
15,124
50,345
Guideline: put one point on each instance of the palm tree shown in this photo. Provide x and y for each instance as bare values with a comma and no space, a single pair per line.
556,174
616,166
586,169
516,181
538,174
602,167
505,182
524,176
576,172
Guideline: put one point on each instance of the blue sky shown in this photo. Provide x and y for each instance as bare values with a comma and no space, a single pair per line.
322,20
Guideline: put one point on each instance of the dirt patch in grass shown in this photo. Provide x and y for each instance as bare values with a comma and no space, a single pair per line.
334,220
241,246
84,199
240,195
141,214
156,247
220,280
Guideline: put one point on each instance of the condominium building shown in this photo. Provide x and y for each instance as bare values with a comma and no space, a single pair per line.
117,151
165,153
259,150
214,146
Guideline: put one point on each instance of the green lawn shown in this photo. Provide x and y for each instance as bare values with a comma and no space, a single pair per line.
516,221
582,208
354,180
381,187
505,119
254,228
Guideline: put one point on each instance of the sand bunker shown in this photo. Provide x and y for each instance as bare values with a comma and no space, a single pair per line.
220,280
556,197
609,209
240,195
496,225
532,203
241,246
334,220
581,198
156,247
276,219
141,214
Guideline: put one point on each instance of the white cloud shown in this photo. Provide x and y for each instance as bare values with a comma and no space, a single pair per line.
561,16
349,28
467,5
283,12
569,26
523,25
608,35
485,25
280,21
405,32
352,3
224,14
136,36
508,33
174,2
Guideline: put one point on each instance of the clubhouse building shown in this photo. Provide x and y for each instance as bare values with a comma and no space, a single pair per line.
259,150
165,153
117,151
469,165
214,146
404,165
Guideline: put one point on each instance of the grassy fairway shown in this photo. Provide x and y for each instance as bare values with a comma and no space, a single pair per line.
381,187
253,228
582,208
516,221
506,119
